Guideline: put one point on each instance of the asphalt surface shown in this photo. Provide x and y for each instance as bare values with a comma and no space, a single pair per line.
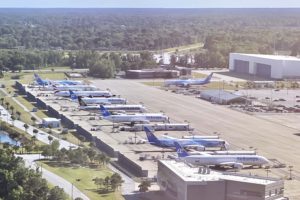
41,136
242,131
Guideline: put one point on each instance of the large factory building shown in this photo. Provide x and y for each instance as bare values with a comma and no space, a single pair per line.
179,181
266,66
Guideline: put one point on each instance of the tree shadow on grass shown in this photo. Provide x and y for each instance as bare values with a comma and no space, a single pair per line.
61,164
102,191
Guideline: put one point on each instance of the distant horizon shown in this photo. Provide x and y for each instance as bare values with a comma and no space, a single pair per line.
167,4
147,8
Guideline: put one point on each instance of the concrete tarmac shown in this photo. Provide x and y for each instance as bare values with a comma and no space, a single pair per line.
242,131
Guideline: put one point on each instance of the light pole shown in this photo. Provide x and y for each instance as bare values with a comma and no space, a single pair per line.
73,187
268,170
290,170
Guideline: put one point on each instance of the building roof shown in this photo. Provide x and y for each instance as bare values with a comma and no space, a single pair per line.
191,174
220,94
273,57
48,119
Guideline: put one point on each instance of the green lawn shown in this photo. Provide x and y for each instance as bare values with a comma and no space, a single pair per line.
184,48
86,185
219,85
29,106
198,75
25,116
153,83
55,67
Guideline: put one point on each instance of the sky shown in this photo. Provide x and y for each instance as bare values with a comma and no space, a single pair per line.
150,3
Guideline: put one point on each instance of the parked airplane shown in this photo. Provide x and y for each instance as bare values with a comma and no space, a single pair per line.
99,100
189,82
126,107
70,87
235,161
199,144
133,118
201,136
42,82
100,93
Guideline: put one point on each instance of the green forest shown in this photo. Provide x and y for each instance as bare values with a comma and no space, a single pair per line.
33,38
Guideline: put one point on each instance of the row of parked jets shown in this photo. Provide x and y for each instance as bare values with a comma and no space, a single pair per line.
116,110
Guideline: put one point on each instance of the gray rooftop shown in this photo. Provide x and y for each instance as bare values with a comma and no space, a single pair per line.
220,94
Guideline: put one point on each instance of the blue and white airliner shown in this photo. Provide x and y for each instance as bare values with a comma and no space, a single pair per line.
189,82
199,144
99,100
133,118
235,161
97,93
114,107
42,82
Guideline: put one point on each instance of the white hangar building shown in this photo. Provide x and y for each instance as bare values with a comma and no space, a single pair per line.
267,66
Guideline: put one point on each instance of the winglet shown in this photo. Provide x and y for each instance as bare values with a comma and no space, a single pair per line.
180,151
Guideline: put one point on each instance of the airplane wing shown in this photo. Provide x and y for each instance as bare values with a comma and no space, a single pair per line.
232,164
168,137
193,146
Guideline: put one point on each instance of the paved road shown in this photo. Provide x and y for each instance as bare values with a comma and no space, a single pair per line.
21,105
57,70
53,178
128,186
41,136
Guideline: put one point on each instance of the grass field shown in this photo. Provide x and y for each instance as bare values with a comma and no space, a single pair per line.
86,185
198,75
184,48
153,83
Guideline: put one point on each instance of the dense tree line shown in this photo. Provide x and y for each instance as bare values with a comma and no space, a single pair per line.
74,37
18,182
17,60
144,29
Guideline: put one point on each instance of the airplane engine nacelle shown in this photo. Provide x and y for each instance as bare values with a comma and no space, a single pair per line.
200,148
238,166
196,147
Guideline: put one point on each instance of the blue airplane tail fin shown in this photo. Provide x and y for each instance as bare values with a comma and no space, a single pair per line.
208,78
104,112
38,79
151,137
180,151
73,95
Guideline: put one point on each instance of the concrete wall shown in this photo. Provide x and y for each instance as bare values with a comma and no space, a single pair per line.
170,182
106,148
131,166
40,104
211,190
53,113
291,69
123,160
30,97
20,87
238,190
67,122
